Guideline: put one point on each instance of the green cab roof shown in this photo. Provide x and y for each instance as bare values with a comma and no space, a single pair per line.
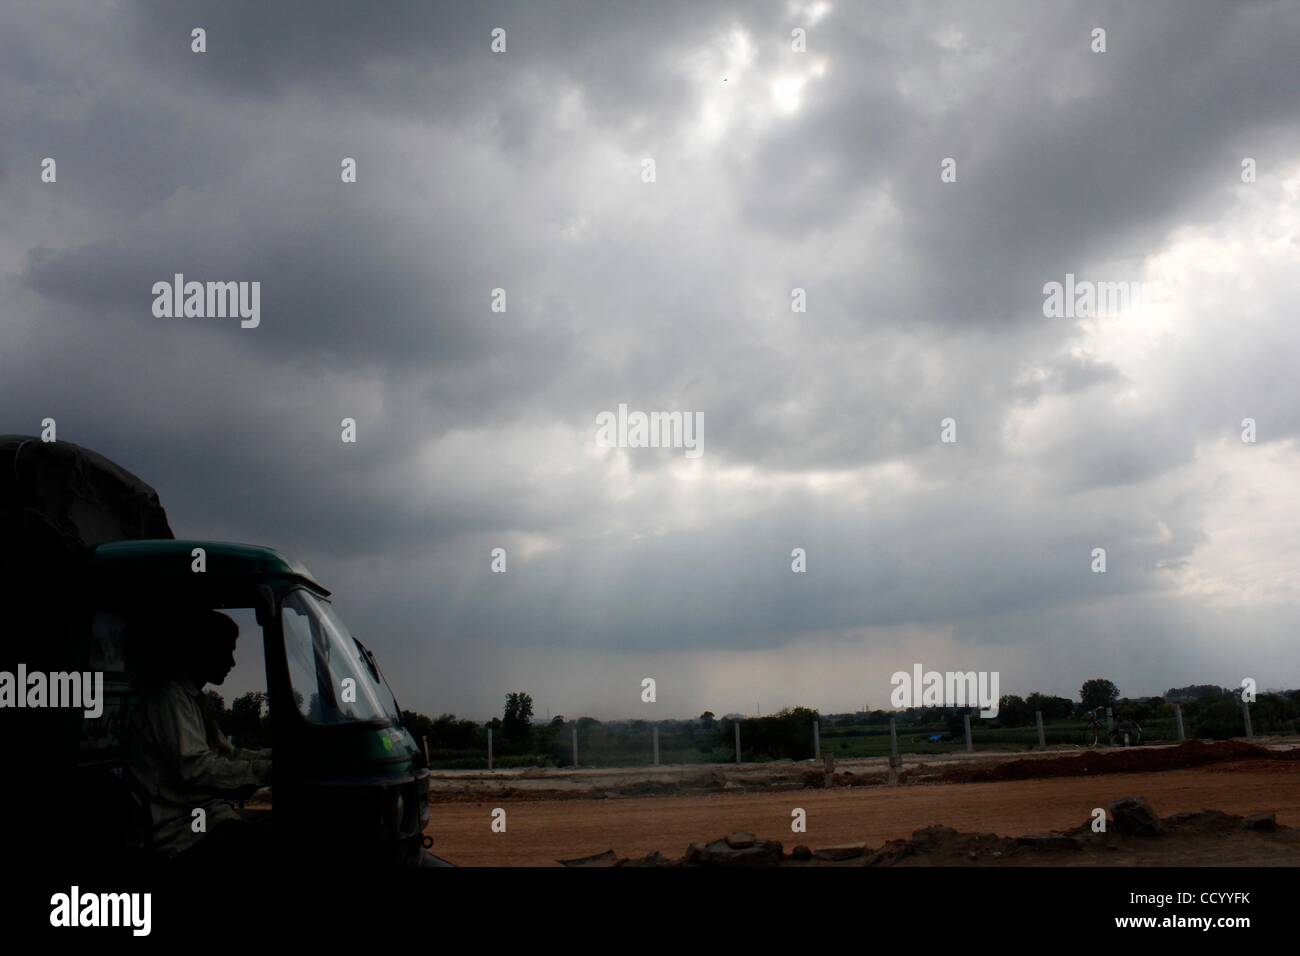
164,556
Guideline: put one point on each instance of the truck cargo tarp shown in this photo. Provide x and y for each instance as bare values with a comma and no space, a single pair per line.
56,500
58,497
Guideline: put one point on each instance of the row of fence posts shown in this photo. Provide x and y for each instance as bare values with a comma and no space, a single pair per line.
894,760
654,733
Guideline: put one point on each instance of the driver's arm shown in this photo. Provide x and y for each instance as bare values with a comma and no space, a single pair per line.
242,753
182,736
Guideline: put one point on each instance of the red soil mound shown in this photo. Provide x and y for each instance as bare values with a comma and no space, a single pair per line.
1193,753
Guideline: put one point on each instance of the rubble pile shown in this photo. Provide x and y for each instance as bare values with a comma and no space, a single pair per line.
1131,822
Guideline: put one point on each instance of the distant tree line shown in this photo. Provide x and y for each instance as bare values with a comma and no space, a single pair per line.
786,734
1209,711
247,722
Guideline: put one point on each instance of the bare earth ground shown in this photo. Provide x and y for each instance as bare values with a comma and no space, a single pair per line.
558,815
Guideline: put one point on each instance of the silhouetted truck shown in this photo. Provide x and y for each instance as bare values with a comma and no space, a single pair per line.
91,576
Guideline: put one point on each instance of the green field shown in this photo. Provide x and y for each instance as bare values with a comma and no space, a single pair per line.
872,740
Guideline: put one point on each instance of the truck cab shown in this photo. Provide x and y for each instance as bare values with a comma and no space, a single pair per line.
347,780
93,580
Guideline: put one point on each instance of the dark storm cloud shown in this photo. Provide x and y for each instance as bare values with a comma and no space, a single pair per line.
1078,156
694,590
432,59
522,171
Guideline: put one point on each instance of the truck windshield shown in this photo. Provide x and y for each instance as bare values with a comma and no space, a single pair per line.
332,677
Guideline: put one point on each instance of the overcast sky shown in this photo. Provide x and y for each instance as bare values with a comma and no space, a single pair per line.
774,170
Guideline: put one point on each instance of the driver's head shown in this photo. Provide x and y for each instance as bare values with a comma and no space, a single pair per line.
209,647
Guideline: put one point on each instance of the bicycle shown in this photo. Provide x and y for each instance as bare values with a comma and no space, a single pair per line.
1124,733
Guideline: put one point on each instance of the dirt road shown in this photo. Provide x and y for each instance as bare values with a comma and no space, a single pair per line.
540,832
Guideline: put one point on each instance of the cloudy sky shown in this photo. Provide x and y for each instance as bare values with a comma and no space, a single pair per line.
774,170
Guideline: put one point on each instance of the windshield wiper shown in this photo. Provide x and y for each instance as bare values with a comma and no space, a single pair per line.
373,664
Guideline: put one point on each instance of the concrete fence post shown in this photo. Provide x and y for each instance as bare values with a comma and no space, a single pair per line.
737,726
654,732
1178,721
970,744
893,743
575,746
817,740
426,750
1042,735
489,748
1245,714
830,770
